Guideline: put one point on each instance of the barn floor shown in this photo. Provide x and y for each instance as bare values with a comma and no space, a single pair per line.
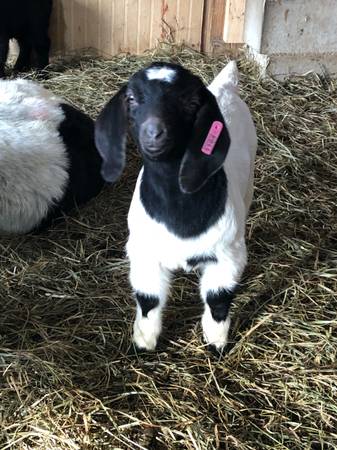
72,380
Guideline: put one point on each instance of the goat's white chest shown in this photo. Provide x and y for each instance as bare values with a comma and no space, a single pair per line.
149,239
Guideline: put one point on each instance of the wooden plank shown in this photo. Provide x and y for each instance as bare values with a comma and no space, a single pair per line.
105,14
195,24
234,21
144,25
54,27
213,26
206,44
156,22
169,20
118,27
78,24
92,20
183,16
66,25
182,21
131,25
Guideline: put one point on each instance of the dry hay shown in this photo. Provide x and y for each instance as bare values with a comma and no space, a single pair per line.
71,378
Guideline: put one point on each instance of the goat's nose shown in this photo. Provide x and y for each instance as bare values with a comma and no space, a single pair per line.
154,130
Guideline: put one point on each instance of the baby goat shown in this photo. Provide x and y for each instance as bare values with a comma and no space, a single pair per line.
193,194
27,21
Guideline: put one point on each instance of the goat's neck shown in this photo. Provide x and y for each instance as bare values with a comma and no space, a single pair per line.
163,174
186,215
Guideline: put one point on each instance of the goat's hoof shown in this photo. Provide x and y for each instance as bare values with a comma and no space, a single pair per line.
216,333
144,341
216,351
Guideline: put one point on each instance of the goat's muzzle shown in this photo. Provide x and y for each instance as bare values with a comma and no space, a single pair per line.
153,137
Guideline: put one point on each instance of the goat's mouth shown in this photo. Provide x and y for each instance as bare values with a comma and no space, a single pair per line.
154,152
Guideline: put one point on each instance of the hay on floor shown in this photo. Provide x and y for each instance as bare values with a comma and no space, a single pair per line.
70,376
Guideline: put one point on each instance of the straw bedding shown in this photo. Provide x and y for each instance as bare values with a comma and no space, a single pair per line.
71,378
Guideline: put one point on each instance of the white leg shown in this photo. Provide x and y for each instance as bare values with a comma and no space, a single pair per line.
215,332
150,282
218,283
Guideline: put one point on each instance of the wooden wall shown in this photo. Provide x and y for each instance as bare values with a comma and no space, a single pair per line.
114,26
213,27
223,26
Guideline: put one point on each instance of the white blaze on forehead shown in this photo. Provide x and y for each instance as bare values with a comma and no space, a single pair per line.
161,73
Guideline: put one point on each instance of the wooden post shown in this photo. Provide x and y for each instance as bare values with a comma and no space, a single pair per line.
214,16
223,26
234,21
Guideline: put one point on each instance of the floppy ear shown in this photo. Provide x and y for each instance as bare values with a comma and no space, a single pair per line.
110,136
196,166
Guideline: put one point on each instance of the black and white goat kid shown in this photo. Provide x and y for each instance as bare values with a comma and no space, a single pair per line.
48,159
190,204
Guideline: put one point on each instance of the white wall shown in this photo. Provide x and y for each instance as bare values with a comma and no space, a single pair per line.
254,16
297,35
300,26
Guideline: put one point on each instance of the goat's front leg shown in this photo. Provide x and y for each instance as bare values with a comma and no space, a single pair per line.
150,282
218,284
41,45
24,59
4,47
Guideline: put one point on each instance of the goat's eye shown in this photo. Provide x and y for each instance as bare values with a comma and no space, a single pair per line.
194,103
192,106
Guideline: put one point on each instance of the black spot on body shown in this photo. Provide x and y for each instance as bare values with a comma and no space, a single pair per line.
85,180
147,302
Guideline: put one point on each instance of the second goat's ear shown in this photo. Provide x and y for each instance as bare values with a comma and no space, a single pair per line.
110,136
197,167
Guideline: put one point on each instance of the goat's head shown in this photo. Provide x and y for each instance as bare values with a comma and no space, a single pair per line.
170,112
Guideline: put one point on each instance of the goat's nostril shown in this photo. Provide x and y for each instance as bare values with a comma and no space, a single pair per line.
154,131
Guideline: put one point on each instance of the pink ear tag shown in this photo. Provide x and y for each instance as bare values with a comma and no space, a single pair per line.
212,137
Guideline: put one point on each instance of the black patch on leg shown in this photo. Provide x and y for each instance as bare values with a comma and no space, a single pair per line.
219,303
147,302
203,259
4,47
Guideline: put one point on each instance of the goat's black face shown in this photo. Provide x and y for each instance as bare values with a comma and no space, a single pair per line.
170,112
163,100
